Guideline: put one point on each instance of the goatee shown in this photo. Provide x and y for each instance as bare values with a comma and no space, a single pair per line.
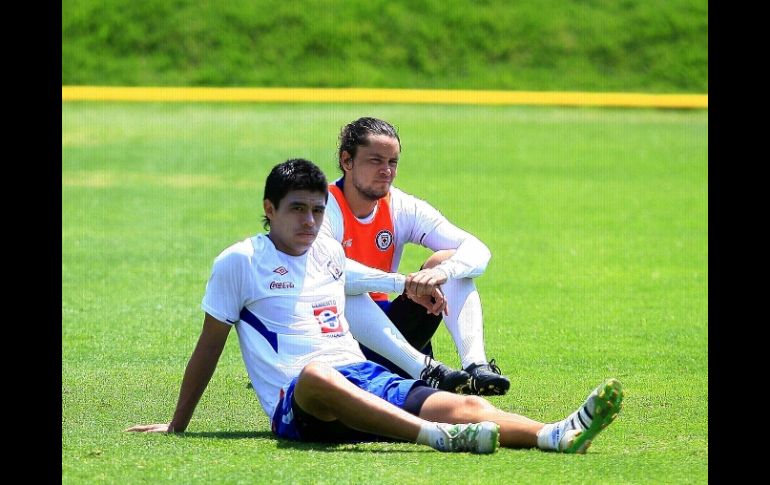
371,194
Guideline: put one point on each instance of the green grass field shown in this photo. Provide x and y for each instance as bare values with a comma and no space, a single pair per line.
598,225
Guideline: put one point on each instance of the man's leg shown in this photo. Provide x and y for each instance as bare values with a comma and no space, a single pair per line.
324,393
372,328
383,342
516,431
414,322
571,435
465,323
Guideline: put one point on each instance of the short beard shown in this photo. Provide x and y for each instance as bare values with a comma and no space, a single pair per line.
370,194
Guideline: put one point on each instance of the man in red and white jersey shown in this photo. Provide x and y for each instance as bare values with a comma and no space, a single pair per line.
285,291
373,220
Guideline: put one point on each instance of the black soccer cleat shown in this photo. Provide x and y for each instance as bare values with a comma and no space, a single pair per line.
486,380
443,377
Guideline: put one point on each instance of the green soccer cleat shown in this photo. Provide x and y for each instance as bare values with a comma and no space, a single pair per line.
480,438
597,412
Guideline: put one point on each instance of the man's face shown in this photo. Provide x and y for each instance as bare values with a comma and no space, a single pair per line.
295,223
373,169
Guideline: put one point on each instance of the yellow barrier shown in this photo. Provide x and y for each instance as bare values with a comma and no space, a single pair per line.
363,95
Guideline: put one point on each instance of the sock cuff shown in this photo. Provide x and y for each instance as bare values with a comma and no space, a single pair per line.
548,437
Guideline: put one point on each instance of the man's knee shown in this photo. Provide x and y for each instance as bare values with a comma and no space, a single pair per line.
477,403
315,376
474,407
314,387
452,408
438,257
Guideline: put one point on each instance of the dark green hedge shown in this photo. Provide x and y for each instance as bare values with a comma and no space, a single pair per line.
591,45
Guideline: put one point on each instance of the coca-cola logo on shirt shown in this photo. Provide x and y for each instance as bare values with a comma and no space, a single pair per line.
281,285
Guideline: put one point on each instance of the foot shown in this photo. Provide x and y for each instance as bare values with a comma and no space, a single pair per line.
481,437
597,412
440,376
486,380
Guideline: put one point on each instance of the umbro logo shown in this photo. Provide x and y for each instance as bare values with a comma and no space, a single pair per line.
280,270
347,243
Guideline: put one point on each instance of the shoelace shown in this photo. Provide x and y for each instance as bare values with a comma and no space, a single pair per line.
464,439
427,373
494,367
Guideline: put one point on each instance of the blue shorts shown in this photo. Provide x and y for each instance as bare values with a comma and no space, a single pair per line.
291,422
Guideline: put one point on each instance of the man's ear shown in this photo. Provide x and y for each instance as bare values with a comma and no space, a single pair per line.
269,209
346,160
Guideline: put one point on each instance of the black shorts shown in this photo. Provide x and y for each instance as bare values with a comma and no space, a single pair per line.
313,429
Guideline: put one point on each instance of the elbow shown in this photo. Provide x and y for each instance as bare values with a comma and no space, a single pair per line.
484,255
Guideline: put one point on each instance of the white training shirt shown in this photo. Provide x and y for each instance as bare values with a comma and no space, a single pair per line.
288,310
416,221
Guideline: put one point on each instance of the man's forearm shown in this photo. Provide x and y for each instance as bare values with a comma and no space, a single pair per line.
471,255
360,279
197,375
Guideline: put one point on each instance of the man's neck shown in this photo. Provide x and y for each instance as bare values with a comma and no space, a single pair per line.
359,205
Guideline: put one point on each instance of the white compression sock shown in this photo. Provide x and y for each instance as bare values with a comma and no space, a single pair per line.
549,436
465,321
432,435
370,326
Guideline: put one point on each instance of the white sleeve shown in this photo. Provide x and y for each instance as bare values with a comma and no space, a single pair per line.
222,299
361,279
414,218
423,224
471,255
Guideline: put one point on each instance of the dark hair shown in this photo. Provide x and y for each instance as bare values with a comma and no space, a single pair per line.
294,174
356,134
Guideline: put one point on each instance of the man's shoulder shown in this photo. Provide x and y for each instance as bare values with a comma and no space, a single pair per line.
405,202
244,249
328,245
399,195
333,220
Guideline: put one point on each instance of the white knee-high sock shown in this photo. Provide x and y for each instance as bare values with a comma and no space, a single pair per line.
370,326
465,321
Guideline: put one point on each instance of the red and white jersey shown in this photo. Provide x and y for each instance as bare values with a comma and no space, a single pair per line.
287,310
408,219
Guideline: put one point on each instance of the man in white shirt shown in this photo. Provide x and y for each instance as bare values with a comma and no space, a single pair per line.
374,220
285,292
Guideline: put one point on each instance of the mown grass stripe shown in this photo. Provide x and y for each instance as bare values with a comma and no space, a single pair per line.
361,95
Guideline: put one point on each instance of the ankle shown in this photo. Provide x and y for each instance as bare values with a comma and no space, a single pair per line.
431,435
548,437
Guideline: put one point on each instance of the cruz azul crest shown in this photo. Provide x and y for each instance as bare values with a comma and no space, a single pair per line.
383,240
